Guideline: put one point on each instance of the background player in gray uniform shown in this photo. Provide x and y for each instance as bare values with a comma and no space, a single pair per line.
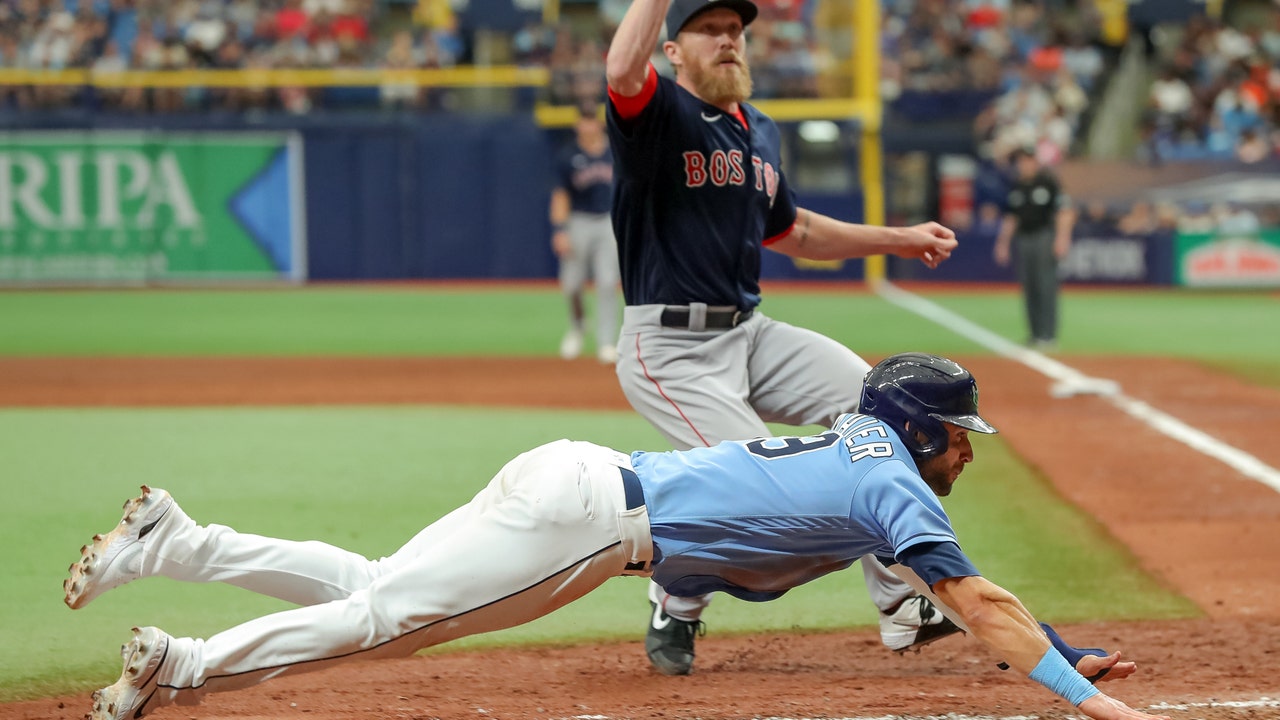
698,190
750,518
1039,215
582,236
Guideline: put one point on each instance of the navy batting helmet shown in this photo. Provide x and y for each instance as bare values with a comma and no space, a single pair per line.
924,391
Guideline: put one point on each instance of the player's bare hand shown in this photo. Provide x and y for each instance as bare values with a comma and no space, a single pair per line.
1091,665
930,242
1105,707
560,244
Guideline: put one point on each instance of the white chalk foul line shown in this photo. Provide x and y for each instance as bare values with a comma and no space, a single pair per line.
1069,381
1158,707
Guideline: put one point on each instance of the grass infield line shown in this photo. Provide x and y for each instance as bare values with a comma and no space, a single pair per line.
1069,381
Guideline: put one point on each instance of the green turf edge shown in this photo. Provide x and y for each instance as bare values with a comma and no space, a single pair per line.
1224,327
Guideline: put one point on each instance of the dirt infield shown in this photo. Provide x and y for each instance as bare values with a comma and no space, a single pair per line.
1194,523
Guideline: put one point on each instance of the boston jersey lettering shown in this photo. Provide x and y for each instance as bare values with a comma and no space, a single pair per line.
696,195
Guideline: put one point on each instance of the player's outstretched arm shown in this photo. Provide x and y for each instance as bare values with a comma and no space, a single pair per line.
818,237
999,619
1093,663
627,63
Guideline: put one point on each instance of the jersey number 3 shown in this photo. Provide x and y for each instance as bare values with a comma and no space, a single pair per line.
770,449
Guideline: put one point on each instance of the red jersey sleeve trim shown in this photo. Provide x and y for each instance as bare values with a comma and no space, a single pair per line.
779,236
631,107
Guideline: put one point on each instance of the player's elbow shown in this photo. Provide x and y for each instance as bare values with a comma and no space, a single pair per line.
621,81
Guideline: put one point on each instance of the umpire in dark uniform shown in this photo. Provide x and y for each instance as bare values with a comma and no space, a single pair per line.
1039,215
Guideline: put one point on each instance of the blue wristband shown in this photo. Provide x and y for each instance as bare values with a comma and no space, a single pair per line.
1055,673
1073,654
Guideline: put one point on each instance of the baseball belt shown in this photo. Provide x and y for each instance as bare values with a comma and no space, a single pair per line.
715,318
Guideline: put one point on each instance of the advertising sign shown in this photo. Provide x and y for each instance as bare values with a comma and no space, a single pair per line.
132,208
1228,260
1107,259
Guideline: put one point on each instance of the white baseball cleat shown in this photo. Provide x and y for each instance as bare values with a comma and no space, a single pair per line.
128,697
914,624
115,558
607,354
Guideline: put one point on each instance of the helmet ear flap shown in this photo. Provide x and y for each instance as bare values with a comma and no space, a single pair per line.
926,443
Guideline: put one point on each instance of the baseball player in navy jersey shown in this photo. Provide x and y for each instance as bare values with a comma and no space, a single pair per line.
582,236
698,191
751,518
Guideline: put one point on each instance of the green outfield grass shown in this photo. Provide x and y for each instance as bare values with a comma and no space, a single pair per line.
1237,331
367,478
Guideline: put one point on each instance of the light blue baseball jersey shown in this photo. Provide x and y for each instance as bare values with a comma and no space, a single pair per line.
756,518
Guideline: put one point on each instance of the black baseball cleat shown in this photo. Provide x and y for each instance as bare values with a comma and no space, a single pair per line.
914,624
669,642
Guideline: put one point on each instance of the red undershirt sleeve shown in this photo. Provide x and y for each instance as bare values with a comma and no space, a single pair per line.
631,107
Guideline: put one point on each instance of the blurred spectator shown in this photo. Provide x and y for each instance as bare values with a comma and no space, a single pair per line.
401,55
291,20
1096,220
577,69
1236,219
54,44
1140,220
110,61
1171,98
1167,215
1196,218
1083,60
1253,147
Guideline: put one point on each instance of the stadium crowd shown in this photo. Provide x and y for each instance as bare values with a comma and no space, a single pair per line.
927,45
1217,95
1042,63
1047,78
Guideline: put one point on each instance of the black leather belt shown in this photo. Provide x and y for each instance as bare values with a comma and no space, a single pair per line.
635,498
631,488
717,318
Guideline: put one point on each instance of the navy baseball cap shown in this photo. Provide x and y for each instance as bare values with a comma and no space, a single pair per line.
682,11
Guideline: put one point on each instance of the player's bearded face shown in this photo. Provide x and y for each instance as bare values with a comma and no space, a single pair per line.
720,77
940,471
